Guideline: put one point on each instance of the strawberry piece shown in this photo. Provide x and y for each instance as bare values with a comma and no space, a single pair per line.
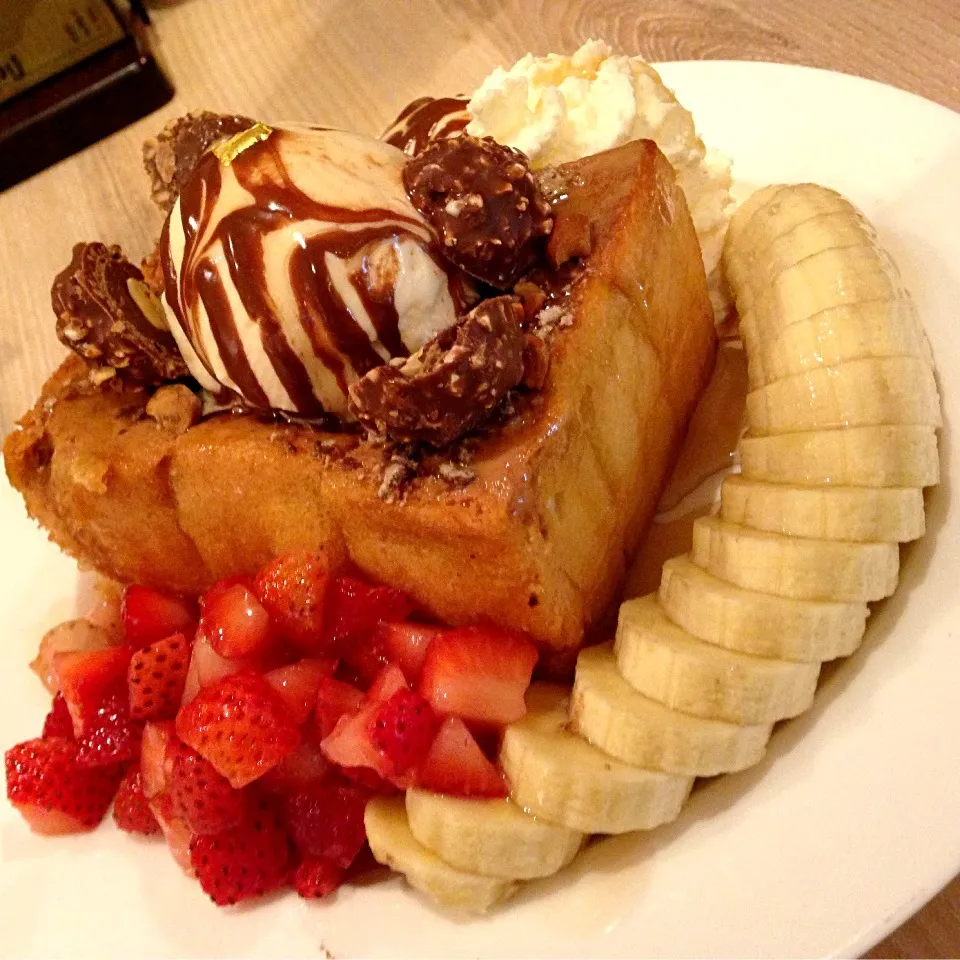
131,810
58,722
199,796
52,791
110,735
479,673
304,766
406,645
154,760
350,745
386,683
74,636
208,667
177,835
334,699
248,861
156,677
456,765
297,683
236,624
371,781
403,729
214,593
326,820
293,589
85,678
356,608
316,878
149,615
240,725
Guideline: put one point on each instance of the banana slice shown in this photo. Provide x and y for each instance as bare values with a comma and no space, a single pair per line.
875,391
393,845
797,567
609,713
558,776
834,230
768,214
821,281
664,662
888,327
494,838
758,623
885,514
881,456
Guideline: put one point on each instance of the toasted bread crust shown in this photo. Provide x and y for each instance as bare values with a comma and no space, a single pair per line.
538,540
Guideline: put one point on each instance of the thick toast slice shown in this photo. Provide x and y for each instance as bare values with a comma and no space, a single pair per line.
538,540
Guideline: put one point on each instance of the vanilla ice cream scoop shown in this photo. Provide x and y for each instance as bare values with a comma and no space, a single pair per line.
294,263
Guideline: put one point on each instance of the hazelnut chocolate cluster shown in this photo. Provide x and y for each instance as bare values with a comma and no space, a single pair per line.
109,316
482,199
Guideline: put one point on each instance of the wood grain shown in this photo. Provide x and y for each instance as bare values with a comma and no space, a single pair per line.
354,62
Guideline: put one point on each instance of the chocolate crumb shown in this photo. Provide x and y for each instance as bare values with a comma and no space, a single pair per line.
175,407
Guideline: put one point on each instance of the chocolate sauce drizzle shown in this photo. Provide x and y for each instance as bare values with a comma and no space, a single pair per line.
427,119
336,337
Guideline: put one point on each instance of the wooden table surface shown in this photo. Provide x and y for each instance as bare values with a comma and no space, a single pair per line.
352,63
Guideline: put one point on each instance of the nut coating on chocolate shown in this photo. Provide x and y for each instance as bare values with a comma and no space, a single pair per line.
451,383
483,200
107,315
169,158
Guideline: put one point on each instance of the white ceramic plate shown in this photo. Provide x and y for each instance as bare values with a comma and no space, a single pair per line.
847,827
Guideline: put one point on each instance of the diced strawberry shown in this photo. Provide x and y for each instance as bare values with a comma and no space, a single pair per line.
100,600
356,608
85,678
456,765
297,684
52,791
371,781
350,745
236,623
149,615
247,861
155,764
110,735
386,683
200,796
58,722
131,810
207,667
316,878
326,820
156,678
240,725
479,673
334,699
213,594
293,589
403,729
406,645
177,835
304,766
74,636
